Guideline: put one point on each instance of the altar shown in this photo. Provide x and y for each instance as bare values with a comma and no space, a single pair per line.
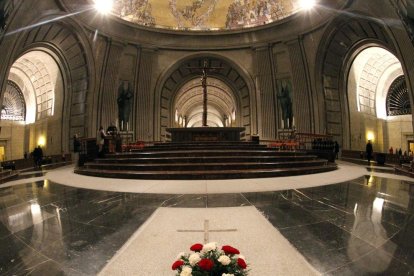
206,134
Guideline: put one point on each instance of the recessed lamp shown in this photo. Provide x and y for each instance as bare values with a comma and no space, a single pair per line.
104,6
307,4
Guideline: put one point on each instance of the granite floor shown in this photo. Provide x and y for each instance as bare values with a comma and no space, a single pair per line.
359,227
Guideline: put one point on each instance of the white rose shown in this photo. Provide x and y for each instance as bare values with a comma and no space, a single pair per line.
225,274
182,254
224,260
209,247
186,271
194,259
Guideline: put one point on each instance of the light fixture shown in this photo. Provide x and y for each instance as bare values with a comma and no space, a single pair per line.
307,4
104,6
370,135
41,141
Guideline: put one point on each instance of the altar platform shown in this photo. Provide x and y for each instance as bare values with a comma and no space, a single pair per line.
206,134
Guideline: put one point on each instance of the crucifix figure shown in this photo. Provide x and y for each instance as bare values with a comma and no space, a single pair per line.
204,71
207,230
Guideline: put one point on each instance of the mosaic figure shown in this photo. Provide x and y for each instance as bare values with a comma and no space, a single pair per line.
243,13
136,11
194,15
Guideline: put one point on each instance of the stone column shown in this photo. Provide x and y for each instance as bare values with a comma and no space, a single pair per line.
301,96
266,89
109,84
144,95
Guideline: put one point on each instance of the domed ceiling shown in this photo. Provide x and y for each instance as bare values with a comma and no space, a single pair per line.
204,14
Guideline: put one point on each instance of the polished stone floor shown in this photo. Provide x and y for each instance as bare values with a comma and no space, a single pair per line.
360,227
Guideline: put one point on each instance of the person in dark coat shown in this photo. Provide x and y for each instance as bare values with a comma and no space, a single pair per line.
336,149
76,149
369,150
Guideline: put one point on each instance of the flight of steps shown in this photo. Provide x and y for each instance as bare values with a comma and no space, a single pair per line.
205,160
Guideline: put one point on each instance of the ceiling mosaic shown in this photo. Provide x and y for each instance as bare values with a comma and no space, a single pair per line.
204,14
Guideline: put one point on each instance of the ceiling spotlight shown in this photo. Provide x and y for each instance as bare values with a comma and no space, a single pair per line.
307,4
104,6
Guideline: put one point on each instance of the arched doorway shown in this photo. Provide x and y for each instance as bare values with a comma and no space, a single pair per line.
32,105
337,53
229,99
379,104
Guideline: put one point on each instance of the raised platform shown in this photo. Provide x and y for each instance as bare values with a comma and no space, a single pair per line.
205,134
205,160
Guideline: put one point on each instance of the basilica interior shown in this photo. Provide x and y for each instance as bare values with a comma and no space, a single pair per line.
288,75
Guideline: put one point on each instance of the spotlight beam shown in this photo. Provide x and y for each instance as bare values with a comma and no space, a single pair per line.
47,21
388,21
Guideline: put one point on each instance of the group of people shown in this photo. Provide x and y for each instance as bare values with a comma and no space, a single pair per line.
400,153
326,145
402,156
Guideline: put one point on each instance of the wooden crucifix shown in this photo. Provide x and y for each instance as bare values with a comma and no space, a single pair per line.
204,71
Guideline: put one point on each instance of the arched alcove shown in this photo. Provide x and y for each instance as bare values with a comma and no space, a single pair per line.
36,80
221,103
335,55
375,84
55,53
39,77
227,87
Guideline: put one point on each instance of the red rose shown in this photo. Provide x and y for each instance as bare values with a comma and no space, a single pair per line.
177,264
196,247
206,264
241,263
230,250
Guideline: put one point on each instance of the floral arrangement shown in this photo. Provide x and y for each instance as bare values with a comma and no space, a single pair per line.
209,260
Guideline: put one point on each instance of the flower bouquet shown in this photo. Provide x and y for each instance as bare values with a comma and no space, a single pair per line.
209,260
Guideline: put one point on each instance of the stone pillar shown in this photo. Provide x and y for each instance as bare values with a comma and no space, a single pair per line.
301,96
108,107
266,89
144,96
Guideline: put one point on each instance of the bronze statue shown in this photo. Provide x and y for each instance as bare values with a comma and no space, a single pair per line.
125,95
286,104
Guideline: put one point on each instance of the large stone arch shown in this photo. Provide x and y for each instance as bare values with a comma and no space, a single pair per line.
345,37
179,74
66,42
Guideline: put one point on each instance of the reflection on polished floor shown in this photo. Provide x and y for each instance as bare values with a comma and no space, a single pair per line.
360,227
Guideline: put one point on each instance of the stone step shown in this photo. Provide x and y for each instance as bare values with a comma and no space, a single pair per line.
7,175
206,174
202,147
204,159
206,143
205,152
216,166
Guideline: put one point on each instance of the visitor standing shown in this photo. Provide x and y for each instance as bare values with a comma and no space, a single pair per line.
369,150
100,140
336,148
76,149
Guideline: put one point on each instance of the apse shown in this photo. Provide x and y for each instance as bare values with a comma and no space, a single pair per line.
221,104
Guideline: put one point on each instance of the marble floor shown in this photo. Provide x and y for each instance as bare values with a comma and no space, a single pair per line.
363,226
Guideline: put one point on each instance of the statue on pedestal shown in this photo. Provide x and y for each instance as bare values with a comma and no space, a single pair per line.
285,100
125,95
